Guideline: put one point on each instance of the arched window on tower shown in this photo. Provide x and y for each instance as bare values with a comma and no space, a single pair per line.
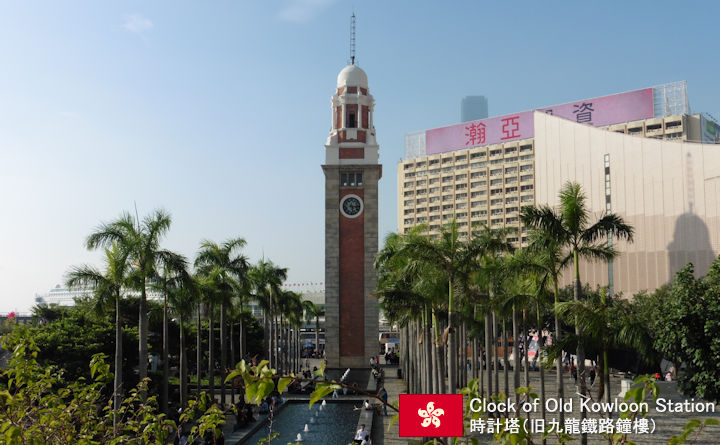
351,116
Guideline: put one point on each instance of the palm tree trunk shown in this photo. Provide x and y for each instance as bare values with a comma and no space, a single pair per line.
117,392
241,335
232,360
183,365
496,359
577,291
143,337
558,376
463,350
452,348
606,376
488,351
317,335
506,356
166,368
516,355
211,355
439,371
223,351
474,353
524,333
538,360
198,365
427,365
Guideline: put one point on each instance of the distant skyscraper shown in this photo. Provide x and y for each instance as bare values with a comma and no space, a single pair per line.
473,108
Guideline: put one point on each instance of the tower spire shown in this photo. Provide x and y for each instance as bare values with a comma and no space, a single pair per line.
352,39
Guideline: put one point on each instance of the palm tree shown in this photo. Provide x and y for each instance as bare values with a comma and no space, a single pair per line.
107,288
482,284
313,312
407,290
174,275
453,258
291,314
544,260
225,268
182,300
266,279
141,241
571,229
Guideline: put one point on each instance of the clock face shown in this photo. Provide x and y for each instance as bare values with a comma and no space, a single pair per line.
351,206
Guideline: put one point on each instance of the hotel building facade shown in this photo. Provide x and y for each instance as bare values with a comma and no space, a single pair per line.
640,154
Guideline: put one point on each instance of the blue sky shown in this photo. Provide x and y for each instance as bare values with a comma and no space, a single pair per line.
218,111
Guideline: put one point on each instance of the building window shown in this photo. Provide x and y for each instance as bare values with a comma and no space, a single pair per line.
352,179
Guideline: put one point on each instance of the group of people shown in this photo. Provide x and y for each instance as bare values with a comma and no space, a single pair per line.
380,406
391,358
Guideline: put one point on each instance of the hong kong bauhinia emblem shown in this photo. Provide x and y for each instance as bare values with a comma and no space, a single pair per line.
430,415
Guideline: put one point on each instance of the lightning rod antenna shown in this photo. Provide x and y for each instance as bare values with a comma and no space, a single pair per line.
352,39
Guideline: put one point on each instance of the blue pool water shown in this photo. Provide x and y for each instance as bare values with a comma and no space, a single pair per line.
335,424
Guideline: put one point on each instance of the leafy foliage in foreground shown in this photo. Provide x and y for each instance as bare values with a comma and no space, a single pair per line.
688,330
38,405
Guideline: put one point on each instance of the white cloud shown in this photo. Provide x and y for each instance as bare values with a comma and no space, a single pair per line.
137,23
300,11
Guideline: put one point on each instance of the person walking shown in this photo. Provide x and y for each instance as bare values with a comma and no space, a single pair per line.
384,398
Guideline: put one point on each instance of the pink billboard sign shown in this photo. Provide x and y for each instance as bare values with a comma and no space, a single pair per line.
598,112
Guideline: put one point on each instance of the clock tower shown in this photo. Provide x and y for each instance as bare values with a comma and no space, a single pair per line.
352,173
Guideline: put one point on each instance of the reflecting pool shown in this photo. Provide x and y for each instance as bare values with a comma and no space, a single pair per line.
334,424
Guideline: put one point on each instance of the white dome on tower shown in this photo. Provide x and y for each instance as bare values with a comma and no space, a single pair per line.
352,75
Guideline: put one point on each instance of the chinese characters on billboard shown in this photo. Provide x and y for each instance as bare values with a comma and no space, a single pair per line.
600,111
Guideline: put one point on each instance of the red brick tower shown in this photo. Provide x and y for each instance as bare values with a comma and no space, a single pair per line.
352,173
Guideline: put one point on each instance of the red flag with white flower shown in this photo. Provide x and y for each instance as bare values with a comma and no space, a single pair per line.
431,415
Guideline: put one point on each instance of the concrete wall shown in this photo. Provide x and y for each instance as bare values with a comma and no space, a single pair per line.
668,191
